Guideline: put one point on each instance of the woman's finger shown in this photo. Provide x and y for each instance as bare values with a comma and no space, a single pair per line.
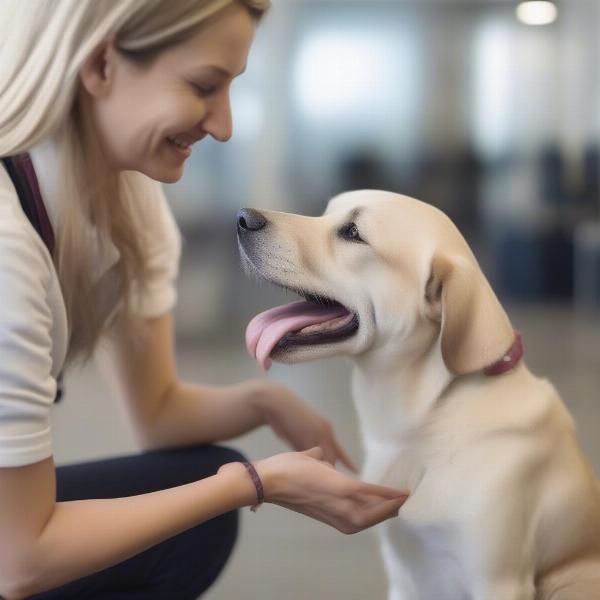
328,464
368,500
380,512
316,452
329,454
381,491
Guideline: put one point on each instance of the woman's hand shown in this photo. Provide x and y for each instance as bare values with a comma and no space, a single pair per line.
304,483
298,424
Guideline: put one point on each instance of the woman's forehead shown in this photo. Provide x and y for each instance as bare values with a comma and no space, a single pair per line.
222,45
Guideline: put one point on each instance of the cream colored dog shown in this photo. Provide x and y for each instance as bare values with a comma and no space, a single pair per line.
503,505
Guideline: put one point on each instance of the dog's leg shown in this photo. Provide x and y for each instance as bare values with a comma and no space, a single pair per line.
511,589
500,568
575,591
400,580
401,586
576,581
395,593
498,529
414,572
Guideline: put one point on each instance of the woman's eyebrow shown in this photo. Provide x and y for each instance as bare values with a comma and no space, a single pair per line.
222,71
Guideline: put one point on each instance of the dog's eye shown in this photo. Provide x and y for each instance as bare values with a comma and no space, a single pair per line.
350,232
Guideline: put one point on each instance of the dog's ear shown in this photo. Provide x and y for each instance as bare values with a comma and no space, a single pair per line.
475,330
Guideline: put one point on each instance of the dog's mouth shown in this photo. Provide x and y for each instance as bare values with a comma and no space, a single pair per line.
315,321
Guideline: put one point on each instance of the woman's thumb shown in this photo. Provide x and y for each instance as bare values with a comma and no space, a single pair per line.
316,452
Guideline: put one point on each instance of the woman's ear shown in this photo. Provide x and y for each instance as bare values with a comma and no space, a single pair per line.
475,331
96,73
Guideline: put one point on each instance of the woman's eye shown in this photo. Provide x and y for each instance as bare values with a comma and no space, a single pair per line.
204,90
350,232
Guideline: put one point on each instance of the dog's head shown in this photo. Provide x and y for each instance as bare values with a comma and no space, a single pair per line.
377,271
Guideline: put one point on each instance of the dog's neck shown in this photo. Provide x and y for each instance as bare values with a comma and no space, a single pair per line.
396,396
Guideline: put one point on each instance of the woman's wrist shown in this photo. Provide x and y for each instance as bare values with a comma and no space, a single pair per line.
256,480
245,488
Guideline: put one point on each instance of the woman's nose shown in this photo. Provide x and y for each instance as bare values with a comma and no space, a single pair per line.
218,122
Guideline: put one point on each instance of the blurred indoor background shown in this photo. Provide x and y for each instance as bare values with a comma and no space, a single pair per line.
455,102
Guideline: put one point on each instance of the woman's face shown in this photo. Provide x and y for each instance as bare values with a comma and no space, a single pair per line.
148,117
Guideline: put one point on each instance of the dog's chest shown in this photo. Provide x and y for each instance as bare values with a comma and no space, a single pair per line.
420,546
421,561
397,466
410,468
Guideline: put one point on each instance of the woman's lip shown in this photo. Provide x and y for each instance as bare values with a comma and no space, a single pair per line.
185,152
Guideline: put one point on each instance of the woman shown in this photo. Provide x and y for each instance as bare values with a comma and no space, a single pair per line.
99,102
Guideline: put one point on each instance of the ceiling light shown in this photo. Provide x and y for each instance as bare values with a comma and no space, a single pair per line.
537,12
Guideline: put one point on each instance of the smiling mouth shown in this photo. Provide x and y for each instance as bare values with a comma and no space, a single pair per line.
179,143
315,321
181,152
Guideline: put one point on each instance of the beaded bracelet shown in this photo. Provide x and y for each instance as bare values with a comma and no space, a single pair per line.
260,494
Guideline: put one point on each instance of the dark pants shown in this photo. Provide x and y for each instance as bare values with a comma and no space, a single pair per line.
180,568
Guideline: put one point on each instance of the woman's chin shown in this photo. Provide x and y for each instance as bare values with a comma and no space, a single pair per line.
164,173
172,176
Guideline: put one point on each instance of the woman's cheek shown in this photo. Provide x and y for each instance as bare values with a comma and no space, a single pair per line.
190,112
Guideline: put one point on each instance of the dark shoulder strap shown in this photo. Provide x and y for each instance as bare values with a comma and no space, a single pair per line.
22,174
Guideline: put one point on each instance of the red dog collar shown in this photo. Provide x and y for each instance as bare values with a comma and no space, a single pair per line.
509,360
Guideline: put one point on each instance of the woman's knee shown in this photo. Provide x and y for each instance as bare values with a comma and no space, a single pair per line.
208,459
178,466
226,455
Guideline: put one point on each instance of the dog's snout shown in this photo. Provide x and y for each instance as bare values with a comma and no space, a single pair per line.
249,219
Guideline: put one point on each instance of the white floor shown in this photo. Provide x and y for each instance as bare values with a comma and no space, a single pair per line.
284,555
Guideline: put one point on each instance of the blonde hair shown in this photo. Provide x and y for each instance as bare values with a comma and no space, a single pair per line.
43,45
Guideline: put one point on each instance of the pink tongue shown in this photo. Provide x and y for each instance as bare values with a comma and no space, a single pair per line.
267,328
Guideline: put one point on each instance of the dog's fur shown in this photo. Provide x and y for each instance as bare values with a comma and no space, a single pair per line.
503,504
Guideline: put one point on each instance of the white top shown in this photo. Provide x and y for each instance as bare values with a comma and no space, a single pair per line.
33,324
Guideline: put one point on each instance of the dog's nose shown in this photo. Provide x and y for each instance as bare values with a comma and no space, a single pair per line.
249,219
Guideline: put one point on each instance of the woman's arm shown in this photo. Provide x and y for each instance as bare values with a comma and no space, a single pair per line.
44,544
166,412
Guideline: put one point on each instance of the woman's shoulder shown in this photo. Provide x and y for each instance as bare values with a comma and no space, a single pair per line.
21,249
27,369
